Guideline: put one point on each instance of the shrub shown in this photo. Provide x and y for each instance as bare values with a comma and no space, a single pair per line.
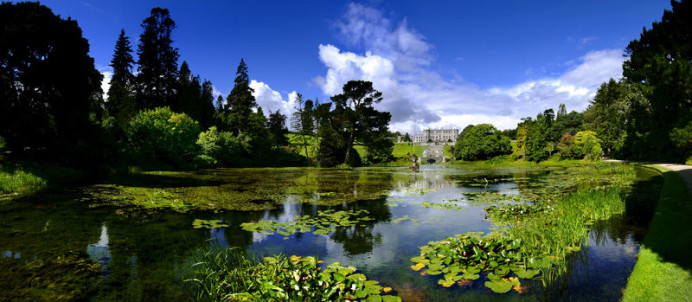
223,148
161,136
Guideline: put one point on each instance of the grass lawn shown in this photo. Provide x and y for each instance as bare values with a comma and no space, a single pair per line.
662,272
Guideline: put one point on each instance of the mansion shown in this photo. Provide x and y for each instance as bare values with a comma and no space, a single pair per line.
437,136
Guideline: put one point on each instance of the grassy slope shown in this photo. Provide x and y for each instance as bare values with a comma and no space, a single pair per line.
663,270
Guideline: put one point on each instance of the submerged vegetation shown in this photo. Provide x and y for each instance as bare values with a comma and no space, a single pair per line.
230,275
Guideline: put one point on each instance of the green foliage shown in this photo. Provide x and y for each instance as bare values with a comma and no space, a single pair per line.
223,149
277,128
50,91
2,143
354,118
659,64
229,275
481,142
163,136
607,114
302,122
240,102
587,145
538,136
565,147
18,181
194,98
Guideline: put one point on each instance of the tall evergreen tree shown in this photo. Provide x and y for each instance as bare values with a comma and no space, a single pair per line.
158,61
121,102
240,101
301,121
206,105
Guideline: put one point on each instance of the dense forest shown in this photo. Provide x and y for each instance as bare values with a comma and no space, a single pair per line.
158,114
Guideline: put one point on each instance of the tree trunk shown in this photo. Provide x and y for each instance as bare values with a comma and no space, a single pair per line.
349,145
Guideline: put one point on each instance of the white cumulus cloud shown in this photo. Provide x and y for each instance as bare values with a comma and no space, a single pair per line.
106,83
397,59
271,100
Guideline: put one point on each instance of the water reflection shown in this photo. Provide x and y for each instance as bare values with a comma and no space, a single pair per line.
142,257
100,252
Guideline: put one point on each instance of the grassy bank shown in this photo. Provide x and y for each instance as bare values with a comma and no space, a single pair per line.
22,178
662,272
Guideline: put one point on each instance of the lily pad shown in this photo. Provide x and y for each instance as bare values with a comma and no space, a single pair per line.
499,286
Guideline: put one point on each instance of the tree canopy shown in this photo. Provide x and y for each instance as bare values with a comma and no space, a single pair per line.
660,65
481,142
50,91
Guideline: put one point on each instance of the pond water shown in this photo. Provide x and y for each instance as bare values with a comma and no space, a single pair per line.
62,244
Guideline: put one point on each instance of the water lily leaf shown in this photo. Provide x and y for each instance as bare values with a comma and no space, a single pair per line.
374,298
420,259
470,276
499,287
417,266
391,299
525,274
321,232
445,282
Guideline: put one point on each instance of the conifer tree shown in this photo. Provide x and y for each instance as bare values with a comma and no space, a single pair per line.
240,101
158,61
121,103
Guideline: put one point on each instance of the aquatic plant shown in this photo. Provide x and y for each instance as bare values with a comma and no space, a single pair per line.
208,224
465,256
323,223
515,212
530,238
230,275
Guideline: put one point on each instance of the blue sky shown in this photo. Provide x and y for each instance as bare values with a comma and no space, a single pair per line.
438,63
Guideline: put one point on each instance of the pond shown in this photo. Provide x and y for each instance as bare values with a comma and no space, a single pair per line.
77,243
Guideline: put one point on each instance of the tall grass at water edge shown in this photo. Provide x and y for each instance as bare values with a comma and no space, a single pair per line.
16,181
563,230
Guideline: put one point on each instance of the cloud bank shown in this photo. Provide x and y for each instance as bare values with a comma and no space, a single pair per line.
398,59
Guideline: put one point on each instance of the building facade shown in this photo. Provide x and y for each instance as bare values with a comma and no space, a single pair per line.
437,136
